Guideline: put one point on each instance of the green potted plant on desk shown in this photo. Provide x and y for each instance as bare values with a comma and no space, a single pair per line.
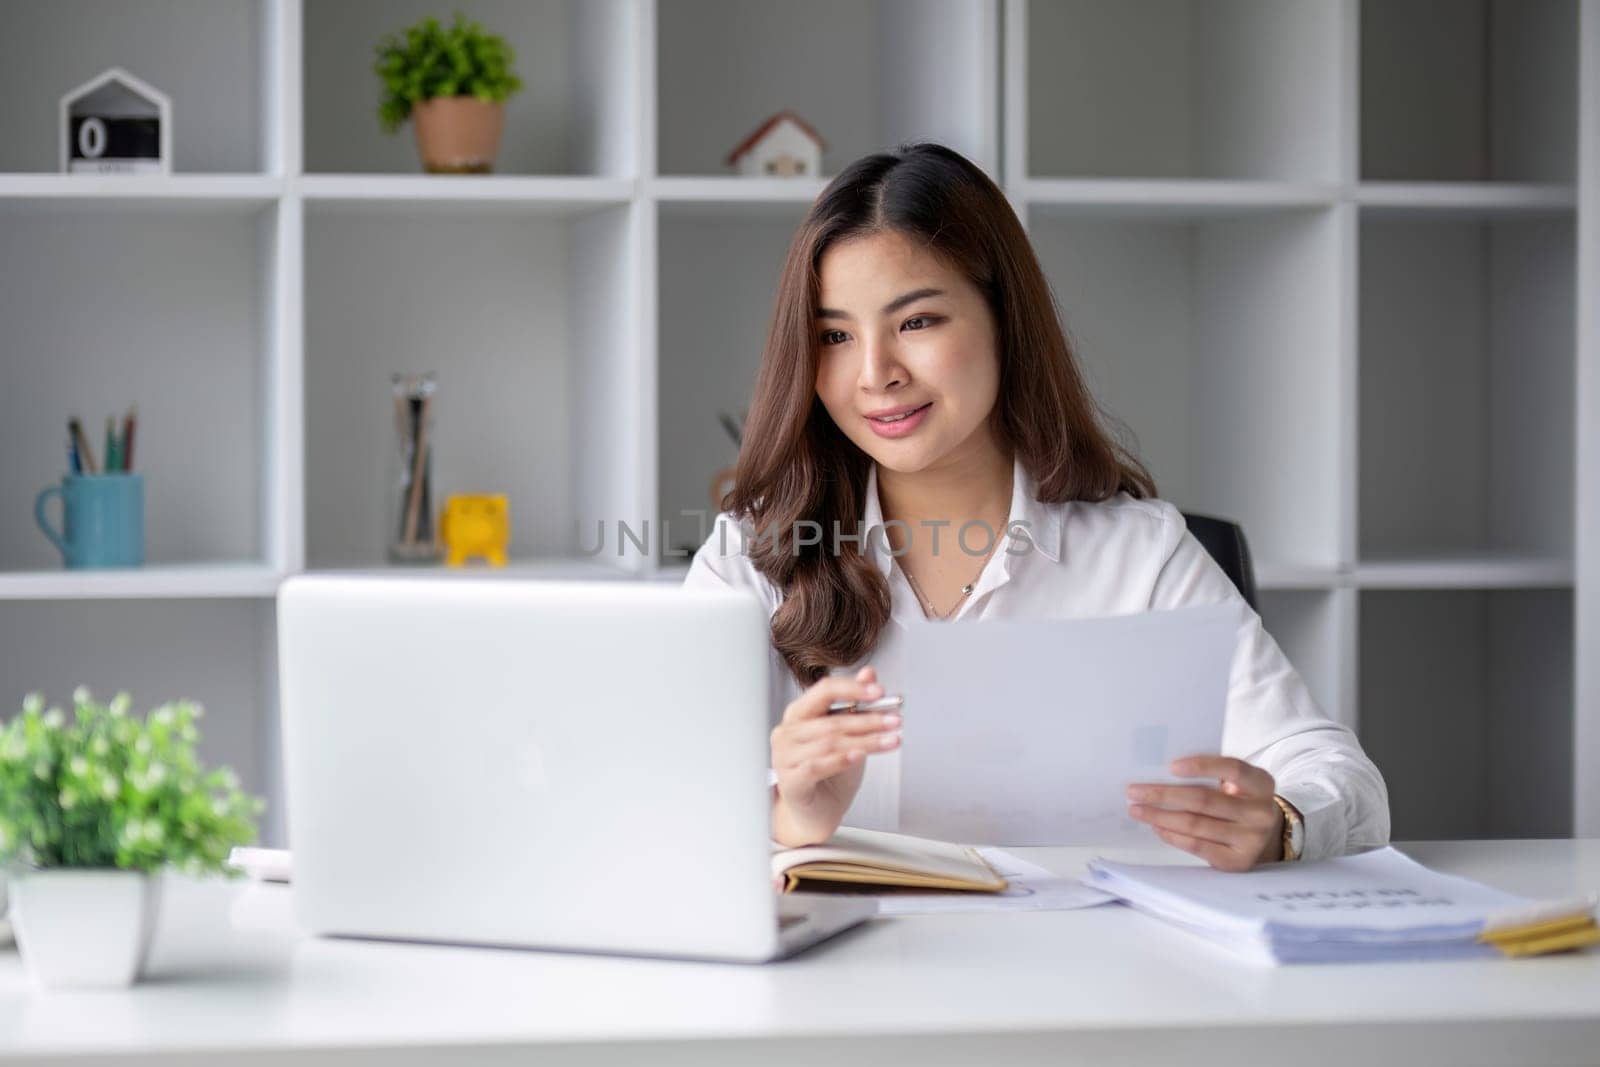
452,83
92,811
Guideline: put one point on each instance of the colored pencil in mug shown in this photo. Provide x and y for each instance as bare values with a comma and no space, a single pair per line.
85,453
111,444
127,437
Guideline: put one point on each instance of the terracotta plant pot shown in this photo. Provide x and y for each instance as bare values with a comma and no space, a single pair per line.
458,134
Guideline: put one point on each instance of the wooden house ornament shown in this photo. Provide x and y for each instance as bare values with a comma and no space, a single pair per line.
116,124
784,146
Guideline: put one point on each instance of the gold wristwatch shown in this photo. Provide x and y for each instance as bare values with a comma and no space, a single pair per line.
1294,829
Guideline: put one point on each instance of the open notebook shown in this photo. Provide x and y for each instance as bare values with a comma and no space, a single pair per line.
874,857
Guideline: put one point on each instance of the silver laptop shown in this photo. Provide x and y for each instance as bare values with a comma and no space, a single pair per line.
542,764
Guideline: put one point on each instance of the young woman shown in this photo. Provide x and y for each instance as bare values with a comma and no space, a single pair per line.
916,379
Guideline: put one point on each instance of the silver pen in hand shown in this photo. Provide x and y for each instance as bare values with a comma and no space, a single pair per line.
883,703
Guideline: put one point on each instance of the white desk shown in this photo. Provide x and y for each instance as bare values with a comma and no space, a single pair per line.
232,981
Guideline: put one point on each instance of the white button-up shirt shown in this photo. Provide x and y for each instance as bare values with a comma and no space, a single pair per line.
1091,559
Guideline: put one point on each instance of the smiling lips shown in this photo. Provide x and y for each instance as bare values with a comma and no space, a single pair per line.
897,422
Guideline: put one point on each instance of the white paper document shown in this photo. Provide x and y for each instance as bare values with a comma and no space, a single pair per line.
1030,887
1376,905
1028,732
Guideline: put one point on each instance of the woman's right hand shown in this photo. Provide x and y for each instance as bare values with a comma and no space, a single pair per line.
820,758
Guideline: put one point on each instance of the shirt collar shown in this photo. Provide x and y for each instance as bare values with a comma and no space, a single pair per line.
1043,522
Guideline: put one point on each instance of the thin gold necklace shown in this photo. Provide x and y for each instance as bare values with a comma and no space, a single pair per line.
966,590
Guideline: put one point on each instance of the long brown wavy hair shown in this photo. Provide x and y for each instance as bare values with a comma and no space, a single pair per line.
796,465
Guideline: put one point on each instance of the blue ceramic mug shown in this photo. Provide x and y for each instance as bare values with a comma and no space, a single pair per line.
102,519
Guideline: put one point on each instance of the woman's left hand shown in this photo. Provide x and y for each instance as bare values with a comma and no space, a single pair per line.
1232,826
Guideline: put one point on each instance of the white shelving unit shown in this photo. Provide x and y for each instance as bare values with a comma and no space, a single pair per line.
1321,257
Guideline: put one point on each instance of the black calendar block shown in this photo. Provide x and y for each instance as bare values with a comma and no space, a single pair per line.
93,137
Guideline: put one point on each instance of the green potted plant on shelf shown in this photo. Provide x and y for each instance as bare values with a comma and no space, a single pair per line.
452,83
92,811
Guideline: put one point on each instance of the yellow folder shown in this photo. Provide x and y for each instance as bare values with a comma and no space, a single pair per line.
1554,926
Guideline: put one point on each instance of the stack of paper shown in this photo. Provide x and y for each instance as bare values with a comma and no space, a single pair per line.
1379,905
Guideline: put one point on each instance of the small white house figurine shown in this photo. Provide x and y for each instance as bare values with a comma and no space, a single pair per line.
784,146
116,124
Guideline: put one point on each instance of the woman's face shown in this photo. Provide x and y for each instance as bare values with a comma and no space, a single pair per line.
898,329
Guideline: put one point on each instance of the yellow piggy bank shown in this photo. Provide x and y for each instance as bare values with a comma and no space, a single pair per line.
476,524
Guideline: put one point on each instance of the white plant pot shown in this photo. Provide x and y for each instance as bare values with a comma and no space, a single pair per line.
84,927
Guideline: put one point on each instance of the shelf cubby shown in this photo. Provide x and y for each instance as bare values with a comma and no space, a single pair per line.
1466,384
1216,342
865,74
525,317
717,263
1312,627
161,308
1468,90
576,113
207,55
1241,89
1466,707
217,651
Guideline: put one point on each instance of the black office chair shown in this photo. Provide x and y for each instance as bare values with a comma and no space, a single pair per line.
1224,542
